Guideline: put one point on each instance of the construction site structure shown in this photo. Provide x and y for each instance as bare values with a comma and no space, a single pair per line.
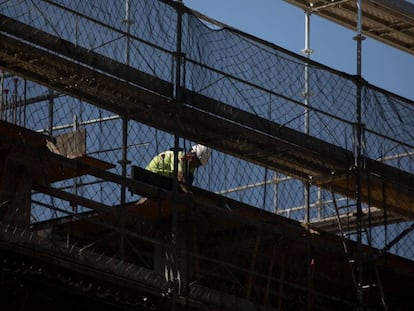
307,202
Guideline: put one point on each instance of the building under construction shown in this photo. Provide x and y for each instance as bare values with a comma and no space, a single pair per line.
307,202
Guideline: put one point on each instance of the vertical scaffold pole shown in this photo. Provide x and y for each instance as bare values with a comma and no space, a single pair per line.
15,105
178,101
358,156
124,160
51,105
128,22
75,125
306,95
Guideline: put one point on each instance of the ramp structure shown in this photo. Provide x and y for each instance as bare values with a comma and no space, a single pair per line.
90,95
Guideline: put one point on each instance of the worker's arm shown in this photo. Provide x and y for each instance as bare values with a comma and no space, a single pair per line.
180,174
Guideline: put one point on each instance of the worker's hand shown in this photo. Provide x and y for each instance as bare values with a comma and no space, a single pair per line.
181,177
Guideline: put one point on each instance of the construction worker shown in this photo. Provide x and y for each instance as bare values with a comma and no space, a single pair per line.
188,162
163,164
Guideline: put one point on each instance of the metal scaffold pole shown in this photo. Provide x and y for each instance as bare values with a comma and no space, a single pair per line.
124,161
128,22
178,98
358,157
307,51
306,94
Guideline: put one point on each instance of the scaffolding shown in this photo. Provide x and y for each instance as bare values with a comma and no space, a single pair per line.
89,93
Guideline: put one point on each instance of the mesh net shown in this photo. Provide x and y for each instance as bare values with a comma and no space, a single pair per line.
221,63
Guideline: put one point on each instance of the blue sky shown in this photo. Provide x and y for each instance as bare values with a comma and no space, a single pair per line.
283,24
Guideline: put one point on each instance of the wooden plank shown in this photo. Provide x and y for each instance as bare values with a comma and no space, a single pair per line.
76,79
29,149
11,133
379,191
371,218
72,198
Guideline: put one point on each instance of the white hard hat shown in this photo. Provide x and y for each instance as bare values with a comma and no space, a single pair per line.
202,152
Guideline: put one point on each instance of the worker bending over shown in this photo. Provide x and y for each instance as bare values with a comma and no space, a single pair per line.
188,162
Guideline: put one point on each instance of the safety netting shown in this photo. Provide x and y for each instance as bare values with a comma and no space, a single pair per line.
221,63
